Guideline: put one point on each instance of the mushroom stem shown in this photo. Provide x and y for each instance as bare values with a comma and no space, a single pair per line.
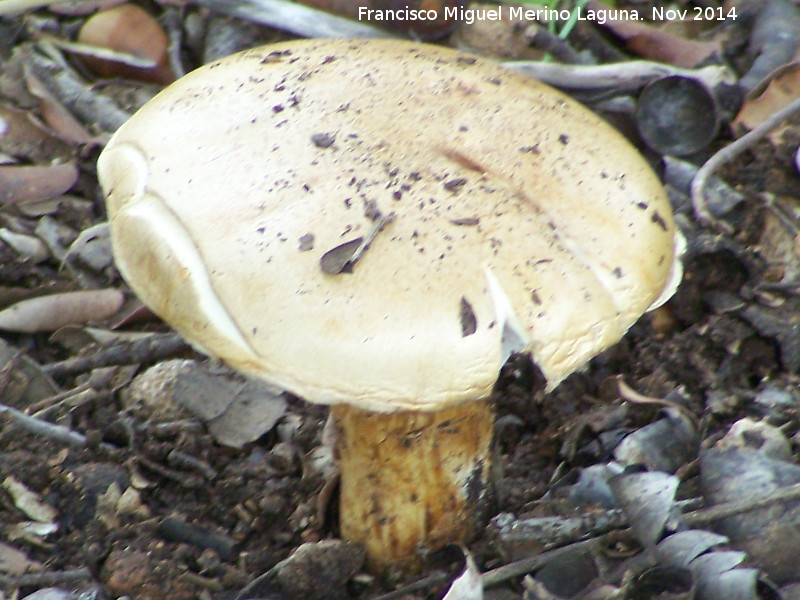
412,481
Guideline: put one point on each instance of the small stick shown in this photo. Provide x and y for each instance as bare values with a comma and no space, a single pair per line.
380,223
151,348
46,579
728,153
730,509
495,576
50,431
531,563
629,75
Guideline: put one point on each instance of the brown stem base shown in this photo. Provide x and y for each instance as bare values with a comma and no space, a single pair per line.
412,482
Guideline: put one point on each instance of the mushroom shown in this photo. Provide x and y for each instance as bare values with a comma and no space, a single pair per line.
378,225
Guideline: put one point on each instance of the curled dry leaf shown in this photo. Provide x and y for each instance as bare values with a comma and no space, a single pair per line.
664,445
648,500
32,183
48,313
769,535
89,255
131,30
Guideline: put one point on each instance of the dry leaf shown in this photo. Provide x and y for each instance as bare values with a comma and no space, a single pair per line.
783,88
33,183
15,562
30,531
131,30
28,502
61,120
25,138
92,248
27,382
48,313
29,247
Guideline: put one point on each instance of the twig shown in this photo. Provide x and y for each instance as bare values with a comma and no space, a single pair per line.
48,578
495,576
75,94
531,563
635,564
188,481
729,152
621,76
177,458
152,348
730,509
73,401
45,403
50,431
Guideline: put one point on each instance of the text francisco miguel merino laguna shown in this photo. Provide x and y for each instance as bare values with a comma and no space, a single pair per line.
470,15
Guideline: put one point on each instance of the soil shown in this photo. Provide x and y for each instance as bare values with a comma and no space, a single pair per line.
149,505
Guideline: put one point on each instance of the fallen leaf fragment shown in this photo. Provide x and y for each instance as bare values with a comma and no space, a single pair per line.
237,411
33,183
23,136
782,89
91,248
28,501
29,383
48,313
15,562
29,530
57,116
127,29
28,247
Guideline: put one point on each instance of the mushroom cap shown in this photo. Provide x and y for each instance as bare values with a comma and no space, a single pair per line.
521,221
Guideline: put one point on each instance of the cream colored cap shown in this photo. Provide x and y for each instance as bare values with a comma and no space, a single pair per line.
517,220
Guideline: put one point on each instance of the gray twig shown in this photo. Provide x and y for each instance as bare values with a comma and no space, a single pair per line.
45,429
48,578
152,348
